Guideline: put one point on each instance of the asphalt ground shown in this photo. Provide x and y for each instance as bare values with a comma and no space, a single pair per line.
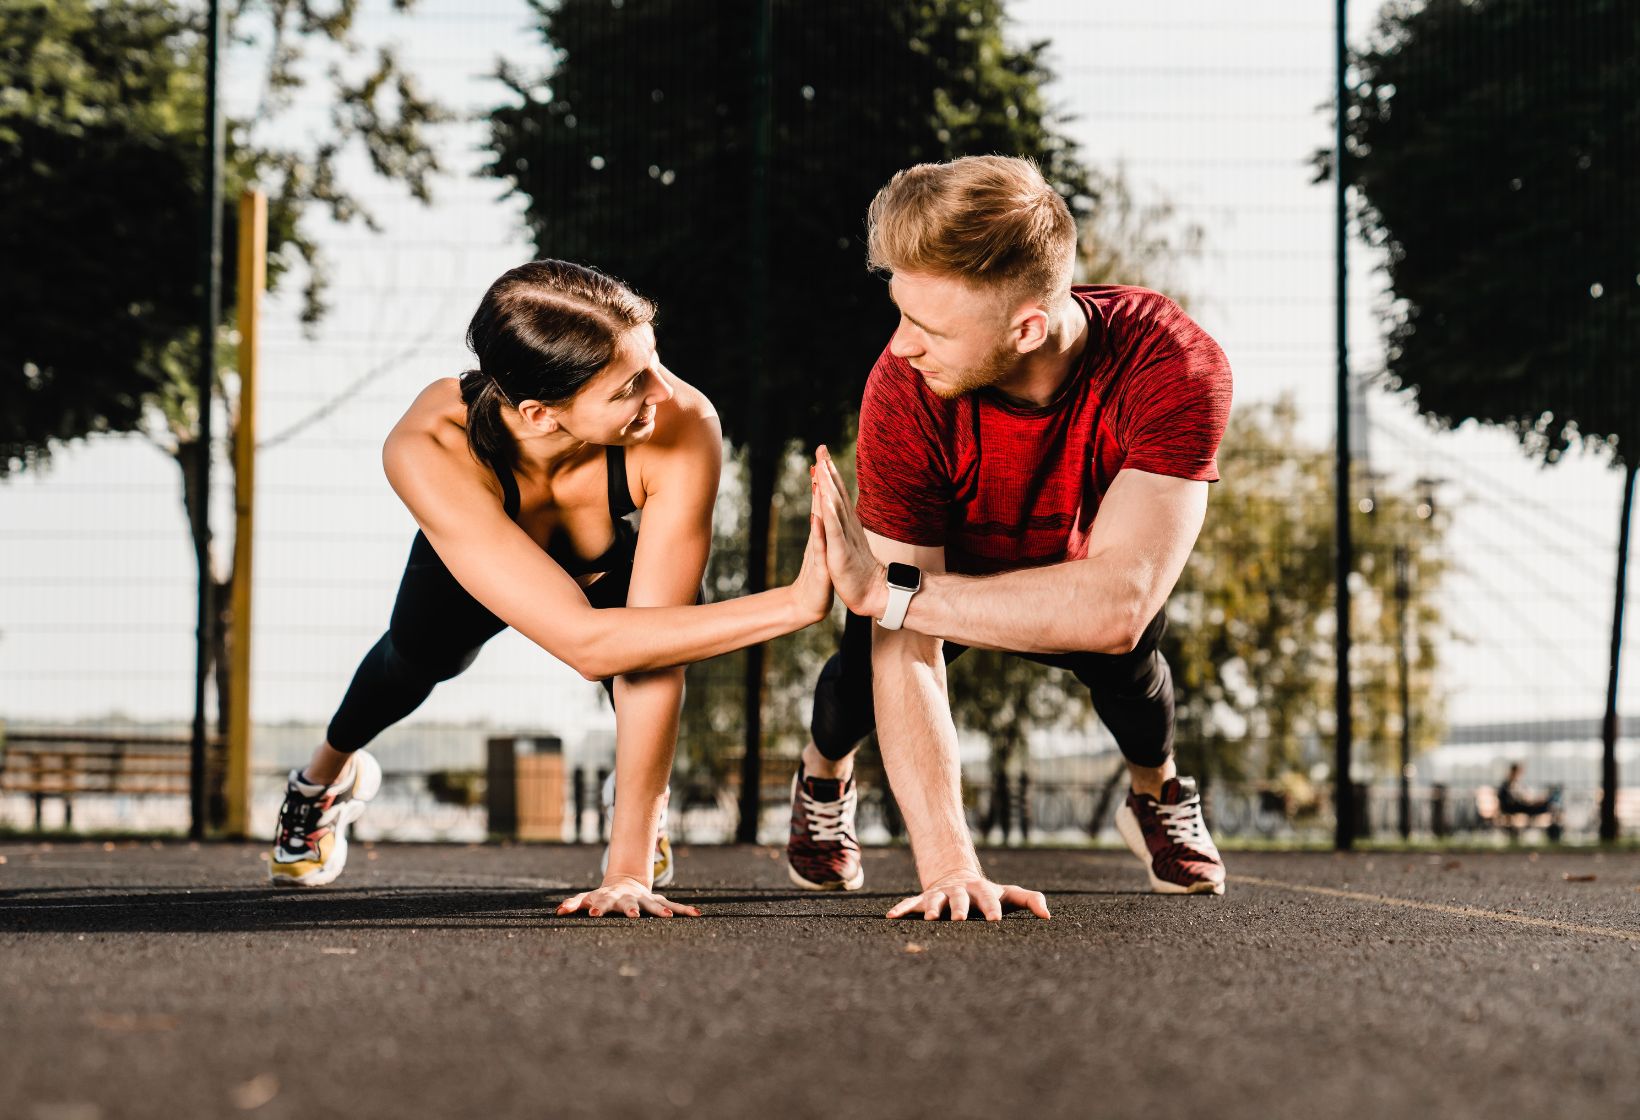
168,981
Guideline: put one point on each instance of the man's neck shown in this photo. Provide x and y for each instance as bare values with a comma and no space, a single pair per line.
1036,381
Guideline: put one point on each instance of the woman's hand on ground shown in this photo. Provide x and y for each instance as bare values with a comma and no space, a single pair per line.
624,897
966,890
813,584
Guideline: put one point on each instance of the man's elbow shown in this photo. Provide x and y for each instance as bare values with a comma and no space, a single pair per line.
1121,633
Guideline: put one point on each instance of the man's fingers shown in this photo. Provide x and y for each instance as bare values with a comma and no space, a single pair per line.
905,906
936,903
836,477
959,905
991,906
1022,899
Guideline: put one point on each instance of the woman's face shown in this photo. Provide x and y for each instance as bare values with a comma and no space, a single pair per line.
618,406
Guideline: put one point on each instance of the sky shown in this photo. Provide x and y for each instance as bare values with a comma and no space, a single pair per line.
1212,108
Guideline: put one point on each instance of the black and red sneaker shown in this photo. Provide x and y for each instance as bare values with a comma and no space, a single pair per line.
823,852
1170,838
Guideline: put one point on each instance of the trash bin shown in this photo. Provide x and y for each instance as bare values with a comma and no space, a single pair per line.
525,786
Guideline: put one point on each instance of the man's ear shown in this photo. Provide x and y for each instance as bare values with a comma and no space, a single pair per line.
1029,328
543,418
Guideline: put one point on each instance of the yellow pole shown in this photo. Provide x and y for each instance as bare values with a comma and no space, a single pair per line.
253,271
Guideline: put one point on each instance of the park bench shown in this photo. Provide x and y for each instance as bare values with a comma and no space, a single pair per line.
66,765
1491,813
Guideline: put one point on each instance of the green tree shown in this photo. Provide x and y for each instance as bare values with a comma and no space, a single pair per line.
101,181
1493,146
722,161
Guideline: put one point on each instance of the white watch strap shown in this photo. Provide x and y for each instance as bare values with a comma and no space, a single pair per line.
899,599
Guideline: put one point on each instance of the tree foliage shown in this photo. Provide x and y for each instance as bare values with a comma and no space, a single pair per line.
1494,145
1251,638
635,153
101,181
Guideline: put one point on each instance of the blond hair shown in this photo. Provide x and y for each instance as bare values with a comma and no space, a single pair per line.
991,220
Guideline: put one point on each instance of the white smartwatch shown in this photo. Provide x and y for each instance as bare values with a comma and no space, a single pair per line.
904,581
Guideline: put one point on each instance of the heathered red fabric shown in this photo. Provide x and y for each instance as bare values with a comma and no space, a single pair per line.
1003,487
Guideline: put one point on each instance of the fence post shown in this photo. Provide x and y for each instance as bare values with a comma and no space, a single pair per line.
1024,807
580,780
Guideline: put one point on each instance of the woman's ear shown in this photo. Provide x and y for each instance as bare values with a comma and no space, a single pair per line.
541,417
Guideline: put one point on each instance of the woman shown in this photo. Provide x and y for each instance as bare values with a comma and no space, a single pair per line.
520,475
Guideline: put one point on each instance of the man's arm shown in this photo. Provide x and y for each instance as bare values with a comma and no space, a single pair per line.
918,742
916,733
1140,541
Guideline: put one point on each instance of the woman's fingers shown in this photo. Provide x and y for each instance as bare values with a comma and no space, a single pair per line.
677,907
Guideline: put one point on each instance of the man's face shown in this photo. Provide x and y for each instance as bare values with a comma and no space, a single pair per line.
955,334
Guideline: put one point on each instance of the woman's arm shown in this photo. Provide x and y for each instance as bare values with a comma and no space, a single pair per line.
501,567
678,471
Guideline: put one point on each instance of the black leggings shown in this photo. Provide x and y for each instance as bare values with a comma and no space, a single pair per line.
436,632
1132,692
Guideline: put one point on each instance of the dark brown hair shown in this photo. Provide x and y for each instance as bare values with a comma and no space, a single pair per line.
542,331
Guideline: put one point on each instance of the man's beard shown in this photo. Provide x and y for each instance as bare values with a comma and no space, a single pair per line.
997,365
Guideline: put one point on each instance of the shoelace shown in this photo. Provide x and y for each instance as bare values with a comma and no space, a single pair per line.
1184,824
300,817
830,820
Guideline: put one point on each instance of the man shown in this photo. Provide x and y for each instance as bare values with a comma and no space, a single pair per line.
1515,802
1033,465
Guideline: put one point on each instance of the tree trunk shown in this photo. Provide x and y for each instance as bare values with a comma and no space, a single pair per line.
1609,727
221,595
762,474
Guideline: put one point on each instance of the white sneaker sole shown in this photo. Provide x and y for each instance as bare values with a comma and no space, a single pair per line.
365,786
1133,836
854,884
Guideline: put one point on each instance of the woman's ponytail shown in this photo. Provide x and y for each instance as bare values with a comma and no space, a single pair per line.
487,433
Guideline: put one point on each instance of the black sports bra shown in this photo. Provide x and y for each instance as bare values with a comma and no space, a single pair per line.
617,555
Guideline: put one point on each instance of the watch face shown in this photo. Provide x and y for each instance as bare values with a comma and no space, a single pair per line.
907,577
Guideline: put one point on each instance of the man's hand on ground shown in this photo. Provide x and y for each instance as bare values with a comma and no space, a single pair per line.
623,896
970,890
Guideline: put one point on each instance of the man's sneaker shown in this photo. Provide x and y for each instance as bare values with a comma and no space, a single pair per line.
823,852
310,845
662,874
1170,838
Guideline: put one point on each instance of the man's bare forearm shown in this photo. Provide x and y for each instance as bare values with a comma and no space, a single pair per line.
919,751
1080,606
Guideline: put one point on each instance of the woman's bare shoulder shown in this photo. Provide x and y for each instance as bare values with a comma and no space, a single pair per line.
689,419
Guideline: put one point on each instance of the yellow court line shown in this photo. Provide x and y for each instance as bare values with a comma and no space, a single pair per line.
1442,908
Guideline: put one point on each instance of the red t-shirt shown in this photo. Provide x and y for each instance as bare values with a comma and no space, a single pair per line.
1003,487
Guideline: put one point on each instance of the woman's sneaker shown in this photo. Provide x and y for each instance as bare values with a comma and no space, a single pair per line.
823,850
310,845
1170,838
662,873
